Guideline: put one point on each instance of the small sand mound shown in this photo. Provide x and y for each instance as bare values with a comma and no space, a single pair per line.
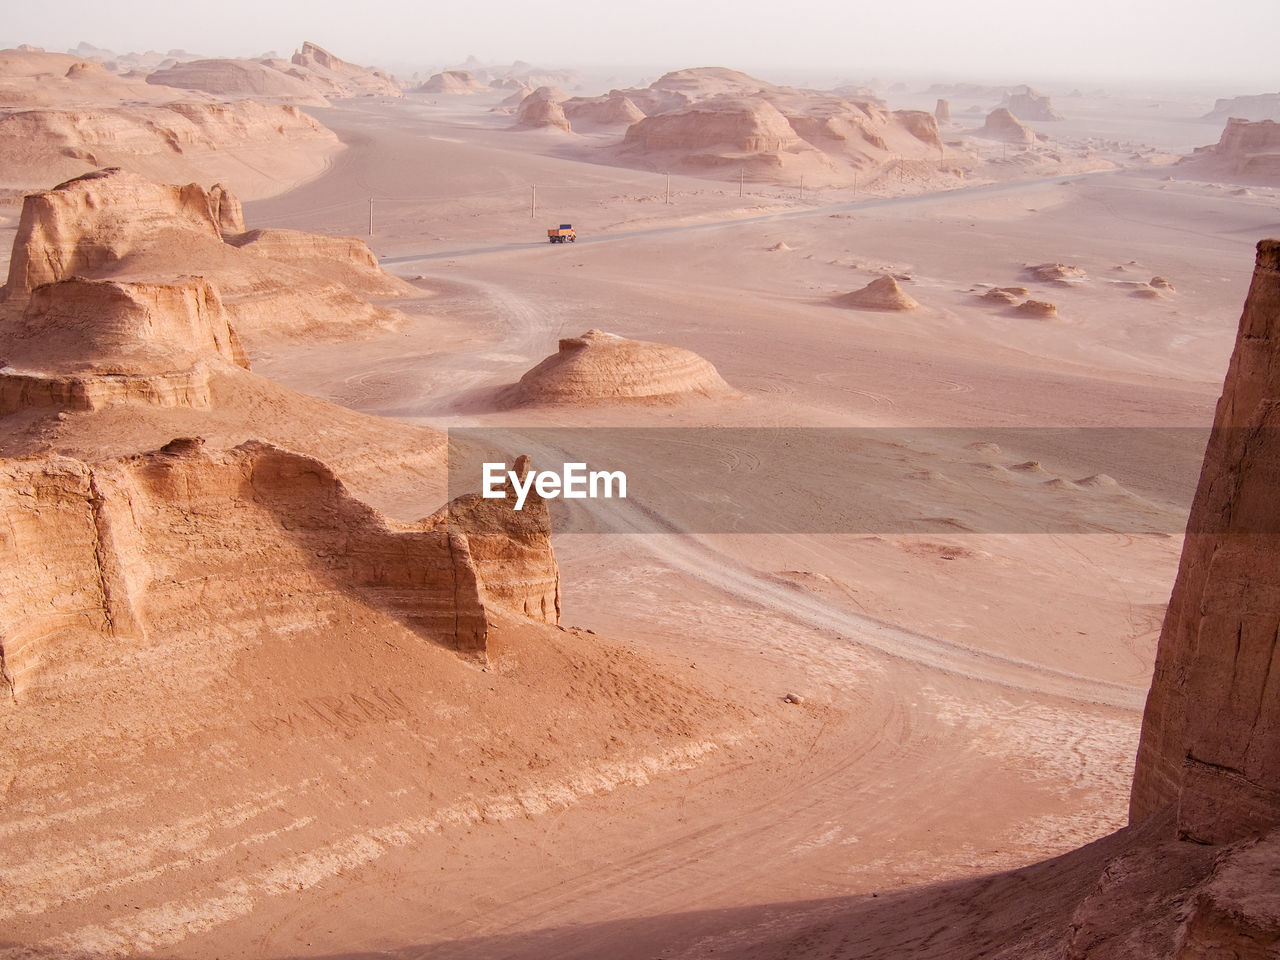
780,246
1160,283
883,293
998,295
1028,466
1038,308
1147,293
1056,272
599,366
1099,481
984,446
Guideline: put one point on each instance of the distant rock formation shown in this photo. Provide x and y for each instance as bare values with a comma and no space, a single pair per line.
453,82
882,293
342,79
1248,150
542,109
173,140
1004,126
942,112
613,110
98,551
602,367
1261,106
1211,732
1028,104
238,79
730,123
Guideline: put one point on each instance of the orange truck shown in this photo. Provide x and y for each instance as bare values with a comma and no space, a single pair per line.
563,234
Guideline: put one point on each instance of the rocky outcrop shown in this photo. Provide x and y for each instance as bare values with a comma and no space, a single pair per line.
1040,309
882,293
725,124
262,146
1248,150
116,225
99,220
115,547
454,82
1028,104
238,79
942,112
542,109
347,260
1211,732
602,367
1004,126
1261,106
340,79
88,344
613,110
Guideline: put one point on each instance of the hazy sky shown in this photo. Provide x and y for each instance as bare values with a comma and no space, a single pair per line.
1177,40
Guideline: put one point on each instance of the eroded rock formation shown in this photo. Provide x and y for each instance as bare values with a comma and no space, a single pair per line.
615,109
542,109
115,547
599,366
453,81
1248,150
338,78
116,225
1028,104
87,344
238,79
1211,732
1004,126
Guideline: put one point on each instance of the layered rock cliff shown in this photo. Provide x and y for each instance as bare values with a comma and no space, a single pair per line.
141,547
1211,732
1248,150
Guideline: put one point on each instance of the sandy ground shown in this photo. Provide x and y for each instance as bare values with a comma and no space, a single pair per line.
971,700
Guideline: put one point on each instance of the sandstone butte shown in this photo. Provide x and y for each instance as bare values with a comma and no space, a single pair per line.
453,82
119,226
1248,150
542,108
602,367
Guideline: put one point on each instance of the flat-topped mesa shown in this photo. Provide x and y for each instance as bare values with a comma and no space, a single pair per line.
97,220
236,79
1004,126
602,367
88,344
1247,148
882,293
95,552
1211,731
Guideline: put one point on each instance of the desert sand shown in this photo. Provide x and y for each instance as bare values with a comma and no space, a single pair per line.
278,681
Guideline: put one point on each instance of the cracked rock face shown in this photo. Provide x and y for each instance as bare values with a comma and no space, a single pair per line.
1211,731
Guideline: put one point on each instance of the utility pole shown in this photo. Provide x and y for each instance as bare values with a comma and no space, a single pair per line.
802,186
668,188
742,175
371,216
533,202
